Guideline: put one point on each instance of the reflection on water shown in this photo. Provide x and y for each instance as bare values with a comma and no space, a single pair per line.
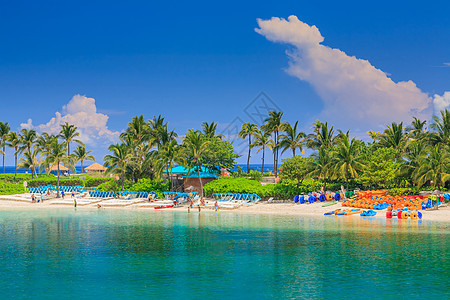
117,254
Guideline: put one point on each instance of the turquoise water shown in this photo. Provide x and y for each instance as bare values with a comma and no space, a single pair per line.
137,254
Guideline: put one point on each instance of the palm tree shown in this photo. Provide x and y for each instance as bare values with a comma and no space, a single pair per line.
31,160
247,130
292,138
27,139
413,157
196,146
68,134
14,142
209,130
441,127
346,159
4,132
322,136
80,155
118,161
394,136
169,155
434,167
321,165
374,135
417,129
55,156
138,129
262,141
273,124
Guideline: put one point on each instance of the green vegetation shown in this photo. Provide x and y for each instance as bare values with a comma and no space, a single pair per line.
9,188
403,159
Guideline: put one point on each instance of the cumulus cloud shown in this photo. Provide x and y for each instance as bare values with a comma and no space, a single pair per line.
446,64
441,102
81,111
354,92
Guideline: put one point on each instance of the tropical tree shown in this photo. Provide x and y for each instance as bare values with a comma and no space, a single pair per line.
80,155
4,132
27,139
69,134
292,138
196,147
169,155
346,159
137,129
417,129
394,136
434,167
247,130
274,125
261,142
14,142
415,153
322,136
55,156
31,160
209,130
321,165
118,161
441,127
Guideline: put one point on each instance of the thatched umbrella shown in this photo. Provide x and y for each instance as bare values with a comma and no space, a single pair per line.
95,167
55,168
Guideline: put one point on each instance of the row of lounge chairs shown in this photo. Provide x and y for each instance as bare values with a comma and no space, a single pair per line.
236,196
98,194
62,188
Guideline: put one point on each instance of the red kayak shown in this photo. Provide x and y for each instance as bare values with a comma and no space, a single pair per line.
164,206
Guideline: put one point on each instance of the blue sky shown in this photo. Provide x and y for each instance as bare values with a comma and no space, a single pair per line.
203,61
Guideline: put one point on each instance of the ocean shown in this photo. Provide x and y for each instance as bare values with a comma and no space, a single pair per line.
125,254
257,167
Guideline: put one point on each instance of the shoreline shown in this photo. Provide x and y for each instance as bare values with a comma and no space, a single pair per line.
287,209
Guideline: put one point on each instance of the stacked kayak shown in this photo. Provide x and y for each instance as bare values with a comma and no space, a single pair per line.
368,213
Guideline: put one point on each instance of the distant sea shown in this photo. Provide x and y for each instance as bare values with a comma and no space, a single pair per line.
257,167
10,169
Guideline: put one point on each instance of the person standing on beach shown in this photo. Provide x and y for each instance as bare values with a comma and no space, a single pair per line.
216,206
74,202
62,194
73,194
33,198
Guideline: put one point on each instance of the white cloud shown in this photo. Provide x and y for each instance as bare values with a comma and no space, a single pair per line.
81,111
354,92
441,102
446,64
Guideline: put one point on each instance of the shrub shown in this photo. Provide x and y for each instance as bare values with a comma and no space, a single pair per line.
402,191
232,185
148,185
8,188
53,181
95,181
21,177
113,185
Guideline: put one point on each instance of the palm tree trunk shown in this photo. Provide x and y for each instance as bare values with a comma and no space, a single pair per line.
68,154
262,169
346,191
4,159
82,166
248,156
15,165
293,152
200,180
122,180
276,144
57,184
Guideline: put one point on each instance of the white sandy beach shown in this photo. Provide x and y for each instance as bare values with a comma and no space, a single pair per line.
291,209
